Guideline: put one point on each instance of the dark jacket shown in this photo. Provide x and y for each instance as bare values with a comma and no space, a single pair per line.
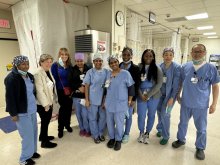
16,94
74,79
135,74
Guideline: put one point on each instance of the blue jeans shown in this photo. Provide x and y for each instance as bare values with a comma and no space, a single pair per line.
27,128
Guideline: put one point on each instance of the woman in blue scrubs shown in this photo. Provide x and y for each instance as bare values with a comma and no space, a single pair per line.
120,90
149,93
133,69
197,78
94,89
169,90
21,105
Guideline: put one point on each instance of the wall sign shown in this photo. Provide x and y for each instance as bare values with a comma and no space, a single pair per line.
4,23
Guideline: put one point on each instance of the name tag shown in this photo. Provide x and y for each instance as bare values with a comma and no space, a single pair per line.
50,84
143,77
164,79
82,76
194,80
107,83
83,102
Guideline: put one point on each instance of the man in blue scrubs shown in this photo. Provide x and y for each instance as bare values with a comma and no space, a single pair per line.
197,78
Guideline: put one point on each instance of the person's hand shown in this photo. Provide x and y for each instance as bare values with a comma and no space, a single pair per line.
82,89
212,108
14,118
144,97
87,104
47,108
132,103
170,102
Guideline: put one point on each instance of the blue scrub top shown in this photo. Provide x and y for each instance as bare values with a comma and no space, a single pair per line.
96,80
117,92
31,101
196,95
172,74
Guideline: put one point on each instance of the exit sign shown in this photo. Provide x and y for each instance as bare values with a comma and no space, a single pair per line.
4,23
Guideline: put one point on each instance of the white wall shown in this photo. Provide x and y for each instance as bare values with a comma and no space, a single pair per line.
8,49
102,18
212,46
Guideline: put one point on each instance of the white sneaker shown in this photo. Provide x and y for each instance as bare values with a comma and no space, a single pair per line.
146,138
141,138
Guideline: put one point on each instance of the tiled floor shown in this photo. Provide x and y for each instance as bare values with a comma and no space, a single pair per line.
75,150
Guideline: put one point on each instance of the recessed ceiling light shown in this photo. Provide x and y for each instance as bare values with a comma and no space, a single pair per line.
210,33
204,27
212,37
197,16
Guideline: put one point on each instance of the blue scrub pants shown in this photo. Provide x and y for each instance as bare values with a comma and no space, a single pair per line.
128,121
81,115
27,128
115,124
97,120
163,125
200,121
149,107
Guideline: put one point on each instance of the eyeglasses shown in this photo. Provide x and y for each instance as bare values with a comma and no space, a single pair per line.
97,60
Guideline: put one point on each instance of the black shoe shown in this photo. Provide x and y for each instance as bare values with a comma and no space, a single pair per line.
69,129
48,144
102,138
200,155
117,145
48,138
60,134
28,162
177,144
96,140
35,156
111,143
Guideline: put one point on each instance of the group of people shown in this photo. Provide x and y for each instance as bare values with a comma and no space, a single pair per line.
106,98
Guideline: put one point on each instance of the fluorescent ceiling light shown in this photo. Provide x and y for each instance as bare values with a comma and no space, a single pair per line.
205,27
211,33
197,16
212,37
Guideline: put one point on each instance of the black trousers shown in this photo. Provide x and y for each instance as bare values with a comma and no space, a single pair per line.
45,121
64,111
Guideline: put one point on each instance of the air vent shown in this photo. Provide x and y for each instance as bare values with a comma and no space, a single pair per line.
176,19
83,43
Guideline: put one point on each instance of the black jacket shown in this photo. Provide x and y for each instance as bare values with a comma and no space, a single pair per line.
74,80
135,74
16,94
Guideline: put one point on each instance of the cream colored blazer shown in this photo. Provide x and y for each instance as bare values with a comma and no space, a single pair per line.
45,88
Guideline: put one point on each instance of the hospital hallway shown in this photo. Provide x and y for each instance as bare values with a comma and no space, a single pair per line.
75,150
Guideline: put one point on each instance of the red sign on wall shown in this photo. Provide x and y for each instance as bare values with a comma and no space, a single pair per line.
4,23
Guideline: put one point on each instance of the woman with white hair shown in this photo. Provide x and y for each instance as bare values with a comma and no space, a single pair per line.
46,92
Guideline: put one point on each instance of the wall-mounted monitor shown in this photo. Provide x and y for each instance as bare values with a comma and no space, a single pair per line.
152,17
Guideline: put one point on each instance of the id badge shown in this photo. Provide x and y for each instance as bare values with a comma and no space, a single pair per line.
107,83
82,76
164,79
143,77
194,80
50,84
